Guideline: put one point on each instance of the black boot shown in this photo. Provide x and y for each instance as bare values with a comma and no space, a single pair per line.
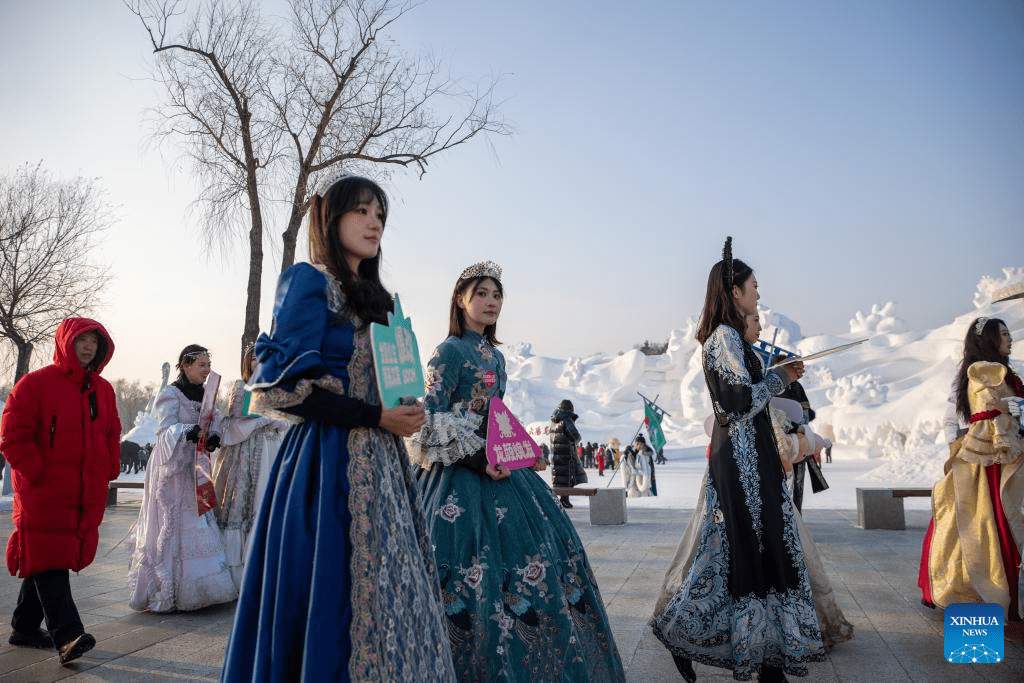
685,667
565,502
772,674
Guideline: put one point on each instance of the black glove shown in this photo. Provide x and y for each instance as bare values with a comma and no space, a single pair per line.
477,462
212,442
193,434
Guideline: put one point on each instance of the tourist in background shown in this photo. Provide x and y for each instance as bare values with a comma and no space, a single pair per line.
60,432
566,466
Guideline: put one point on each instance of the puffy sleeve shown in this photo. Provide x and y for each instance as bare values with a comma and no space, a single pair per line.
451,430
113,431
734,396
291,352
236,398
291,379
235,427
571,431
792,447
993,435
952,425
19,426
169,452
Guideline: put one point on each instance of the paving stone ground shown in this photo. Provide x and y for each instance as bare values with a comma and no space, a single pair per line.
874,573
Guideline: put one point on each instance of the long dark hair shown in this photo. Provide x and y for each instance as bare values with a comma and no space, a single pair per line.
980,345
457,317
719,308
365,295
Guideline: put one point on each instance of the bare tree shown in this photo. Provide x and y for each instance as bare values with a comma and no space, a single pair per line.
263,106
47,230
132,398
214,75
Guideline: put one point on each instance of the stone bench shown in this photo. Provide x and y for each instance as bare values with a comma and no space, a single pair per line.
607,506
115,485
882,508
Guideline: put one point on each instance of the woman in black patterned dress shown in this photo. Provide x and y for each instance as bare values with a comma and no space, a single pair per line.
745,603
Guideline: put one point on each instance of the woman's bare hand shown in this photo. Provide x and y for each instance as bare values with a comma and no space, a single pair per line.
539,465
498,472
794,371
403,420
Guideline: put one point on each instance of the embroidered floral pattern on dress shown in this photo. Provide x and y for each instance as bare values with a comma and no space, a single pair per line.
384,573
450,511
485,350
745,454
510,620
724,354
701,622
534,572
473,575
726,612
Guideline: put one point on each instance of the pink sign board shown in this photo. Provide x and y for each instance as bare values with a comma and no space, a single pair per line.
508,444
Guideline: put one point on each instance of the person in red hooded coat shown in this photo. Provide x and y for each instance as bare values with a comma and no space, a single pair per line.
60,432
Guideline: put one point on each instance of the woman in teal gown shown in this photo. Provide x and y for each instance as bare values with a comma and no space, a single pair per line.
519,596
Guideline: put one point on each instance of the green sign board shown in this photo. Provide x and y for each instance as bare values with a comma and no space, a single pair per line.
396,358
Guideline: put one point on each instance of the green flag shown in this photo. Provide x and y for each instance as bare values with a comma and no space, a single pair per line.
652,420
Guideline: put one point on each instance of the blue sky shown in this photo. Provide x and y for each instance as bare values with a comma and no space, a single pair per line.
858,152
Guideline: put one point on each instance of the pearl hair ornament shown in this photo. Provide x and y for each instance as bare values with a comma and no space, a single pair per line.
482,269
980,326
329,178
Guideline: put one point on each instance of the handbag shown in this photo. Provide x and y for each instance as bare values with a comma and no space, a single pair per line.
818,483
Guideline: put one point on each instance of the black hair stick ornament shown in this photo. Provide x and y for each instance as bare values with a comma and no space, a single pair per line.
727,257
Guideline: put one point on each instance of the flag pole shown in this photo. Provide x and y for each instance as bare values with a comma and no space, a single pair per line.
633,440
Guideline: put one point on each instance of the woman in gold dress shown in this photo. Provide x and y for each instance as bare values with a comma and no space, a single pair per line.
972,551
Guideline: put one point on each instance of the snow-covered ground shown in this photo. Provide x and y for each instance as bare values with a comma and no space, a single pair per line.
679,482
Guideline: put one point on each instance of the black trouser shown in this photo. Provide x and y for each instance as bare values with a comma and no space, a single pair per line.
47,595
799,469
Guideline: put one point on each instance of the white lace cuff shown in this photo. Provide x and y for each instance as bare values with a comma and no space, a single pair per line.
446,438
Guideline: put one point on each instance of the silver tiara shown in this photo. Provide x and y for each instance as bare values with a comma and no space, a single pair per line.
329,178
482,269
980,325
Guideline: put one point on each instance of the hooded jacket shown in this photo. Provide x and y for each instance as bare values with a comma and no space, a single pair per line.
60,432
565,465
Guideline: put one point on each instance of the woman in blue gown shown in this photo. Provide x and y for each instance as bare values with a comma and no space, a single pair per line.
340,582
520,599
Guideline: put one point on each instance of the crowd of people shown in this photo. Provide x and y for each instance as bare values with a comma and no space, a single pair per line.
372,542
